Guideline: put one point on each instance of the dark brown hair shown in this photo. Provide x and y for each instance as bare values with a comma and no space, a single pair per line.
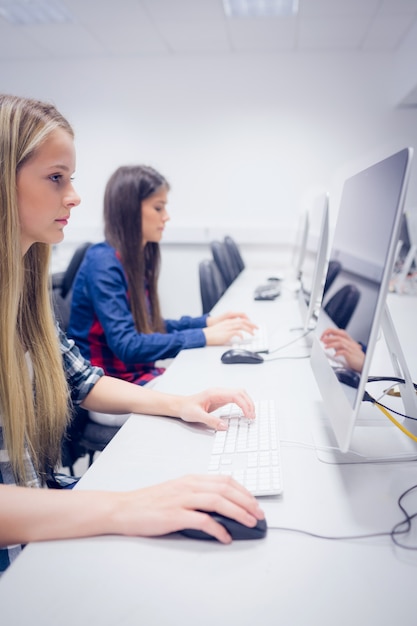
126,189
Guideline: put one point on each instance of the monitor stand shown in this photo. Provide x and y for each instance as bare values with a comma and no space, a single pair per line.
407,390
375,439
400,282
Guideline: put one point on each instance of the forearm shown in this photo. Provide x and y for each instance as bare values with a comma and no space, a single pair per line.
186,322
112,395
28,515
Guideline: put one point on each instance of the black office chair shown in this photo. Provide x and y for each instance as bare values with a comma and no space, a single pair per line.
224,261
234,253
62,283
95,437
333,270
83,435
342,305
212,285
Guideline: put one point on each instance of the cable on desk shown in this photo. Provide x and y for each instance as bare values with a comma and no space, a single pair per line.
403,527
389,391
290,343
406,521
315,447
281,358
387,411
391,379
367,398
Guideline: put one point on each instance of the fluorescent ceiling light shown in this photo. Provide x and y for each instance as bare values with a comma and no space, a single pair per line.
260,8
23,12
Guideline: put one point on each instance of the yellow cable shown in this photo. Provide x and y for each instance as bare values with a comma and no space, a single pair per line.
396,422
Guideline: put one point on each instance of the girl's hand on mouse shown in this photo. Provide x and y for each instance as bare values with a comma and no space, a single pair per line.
180,503
224,331
30,515
199,407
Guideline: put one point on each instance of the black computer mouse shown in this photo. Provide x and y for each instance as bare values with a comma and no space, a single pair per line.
269,291
267,296
348,376
235,529
237,355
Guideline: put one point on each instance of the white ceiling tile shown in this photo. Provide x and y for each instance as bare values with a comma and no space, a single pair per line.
189,10
254,34
98,14
398,6
137,27
188,36
387,32
122,27
411,99
332,32
328,8
63,39
15,44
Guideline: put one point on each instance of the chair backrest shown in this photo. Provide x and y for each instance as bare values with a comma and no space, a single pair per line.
333,269
62,307
72,269
224,261
234,252
212,285
83,436
62,284
342,305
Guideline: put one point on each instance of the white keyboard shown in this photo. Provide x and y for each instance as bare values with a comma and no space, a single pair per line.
249,450
258,342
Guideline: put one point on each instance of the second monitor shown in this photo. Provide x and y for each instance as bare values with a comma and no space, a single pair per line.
365,243
314,263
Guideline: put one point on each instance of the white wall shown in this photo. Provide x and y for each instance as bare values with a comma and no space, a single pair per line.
244,140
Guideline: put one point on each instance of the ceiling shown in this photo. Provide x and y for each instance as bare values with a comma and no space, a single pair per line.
115,28
177,27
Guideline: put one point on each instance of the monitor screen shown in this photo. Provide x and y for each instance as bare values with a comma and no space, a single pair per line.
364,246
313,269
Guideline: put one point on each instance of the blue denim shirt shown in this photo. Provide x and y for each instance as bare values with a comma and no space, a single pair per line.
102,325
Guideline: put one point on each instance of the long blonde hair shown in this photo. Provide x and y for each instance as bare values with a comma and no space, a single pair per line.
34,407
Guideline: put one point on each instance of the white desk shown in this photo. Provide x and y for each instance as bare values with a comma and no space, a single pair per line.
287,578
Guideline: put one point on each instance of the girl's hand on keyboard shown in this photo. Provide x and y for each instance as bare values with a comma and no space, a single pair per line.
199,407
222,333
344,347
212,321
180,503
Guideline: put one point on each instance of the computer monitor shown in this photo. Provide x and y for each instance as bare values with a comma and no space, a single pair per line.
313,269
365,242
300,244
